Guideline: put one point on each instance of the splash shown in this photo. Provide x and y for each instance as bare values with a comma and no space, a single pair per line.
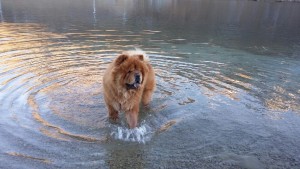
140,134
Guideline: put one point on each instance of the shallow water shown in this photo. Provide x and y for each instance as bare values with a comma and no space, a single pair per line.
228,86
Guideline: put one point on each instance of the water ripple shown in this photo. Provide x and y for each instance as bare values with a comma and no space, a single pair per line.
50,86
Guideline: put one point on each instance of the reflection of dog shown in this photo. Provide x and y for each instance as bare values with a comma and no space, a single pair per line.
127,81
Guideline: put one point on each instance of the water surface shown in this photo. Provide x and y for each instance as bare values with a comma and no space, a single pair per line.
228,86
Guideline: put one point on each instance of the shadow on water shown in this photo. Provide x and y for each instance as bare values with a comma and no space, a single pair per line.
227,84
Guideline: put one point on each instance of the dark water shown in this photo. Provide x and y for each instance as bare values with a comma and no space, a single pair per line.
228,84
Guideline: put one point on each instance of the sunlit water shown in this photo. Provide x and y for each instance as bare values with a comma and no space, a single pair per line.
228,86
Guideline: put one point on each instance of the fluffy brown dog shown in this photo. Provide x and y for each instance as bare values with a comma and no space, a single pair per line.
127,81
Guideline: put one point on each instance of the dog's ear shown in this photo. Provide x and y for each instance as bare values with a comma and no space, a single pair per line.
141,57
120,59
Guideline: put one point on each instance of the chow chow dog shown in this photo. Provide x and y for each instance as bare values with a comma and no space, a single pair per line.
127,81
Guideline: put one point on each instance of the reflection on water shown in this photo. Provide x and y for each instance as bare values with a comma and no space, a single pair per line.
227,84
29,157
264,28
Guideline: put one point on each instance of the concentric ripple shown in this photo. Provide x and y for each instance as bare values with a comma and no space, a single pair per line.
58,81
34,70
52,85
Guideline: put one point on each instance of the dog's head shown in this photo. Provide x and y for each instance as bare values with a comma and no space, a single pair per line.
130,70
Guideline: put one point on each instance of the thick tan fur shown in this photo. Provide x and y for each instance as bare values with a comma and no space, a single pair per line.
118,97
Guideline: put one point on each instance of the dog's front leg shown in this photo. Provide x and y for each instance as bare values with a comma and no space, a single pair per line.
132,116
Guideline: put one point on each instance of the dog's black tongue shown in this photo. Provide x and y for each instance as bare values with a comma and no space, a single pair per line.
132,86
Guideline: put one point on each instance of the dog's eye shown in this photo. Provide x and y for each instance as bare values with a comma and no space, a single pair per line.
129,71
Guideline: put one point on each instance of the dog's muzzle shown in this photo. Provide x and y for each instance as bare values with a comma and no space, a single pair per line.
136,84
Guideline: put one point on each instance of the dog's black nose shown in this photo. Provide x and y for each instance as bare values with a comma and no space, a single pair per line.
137,78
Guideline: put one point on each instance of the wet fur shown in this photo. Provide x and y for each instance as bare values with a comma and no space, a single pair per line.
117,96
